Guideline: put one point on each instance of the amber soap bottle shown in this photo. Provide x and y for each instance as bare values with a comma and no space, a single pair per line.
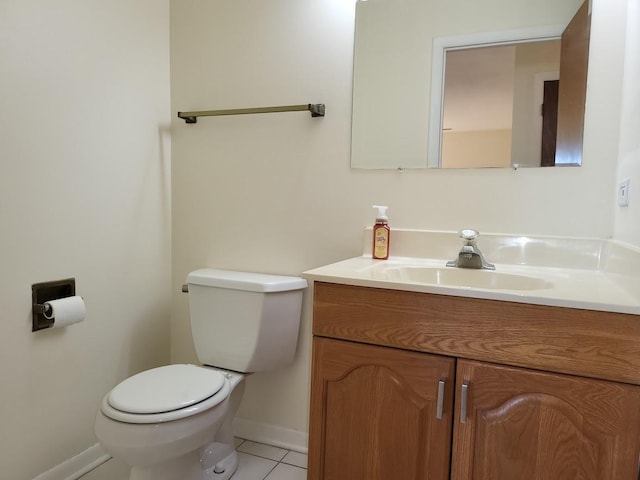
381,234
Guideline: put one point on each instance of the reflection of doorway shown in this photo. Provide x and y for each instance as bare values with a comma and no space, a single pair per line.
536,139
491,105
549,123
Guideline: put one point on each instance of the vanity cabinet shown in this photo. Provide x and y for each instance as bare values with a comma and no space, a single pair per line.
416,386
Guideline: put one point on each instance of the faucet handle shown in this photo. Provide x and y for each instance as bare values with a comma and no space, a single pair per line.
469,236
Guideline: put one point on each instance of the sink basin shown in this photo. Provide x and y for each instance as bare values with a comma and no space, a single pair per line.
465,278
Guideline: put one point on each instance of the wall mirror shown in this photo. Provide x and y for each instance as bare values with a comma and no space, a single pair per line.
453,84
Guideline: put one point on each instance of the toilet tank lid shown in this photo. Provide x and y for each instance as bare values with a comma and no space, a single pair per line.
251,282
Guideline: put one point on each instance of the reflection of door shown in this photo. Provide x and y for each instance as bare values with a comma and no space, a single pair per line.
549,123
574,58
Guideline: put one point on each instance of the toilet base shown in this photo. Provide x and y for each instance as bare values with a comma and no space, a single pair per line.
186,467
192,466
223,469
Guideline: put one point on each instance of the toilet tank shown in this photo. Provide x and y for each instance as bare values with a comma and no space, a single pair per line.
247,322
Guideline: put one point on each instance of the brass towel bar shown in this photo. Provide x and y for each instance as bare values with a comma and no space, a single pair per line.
316,109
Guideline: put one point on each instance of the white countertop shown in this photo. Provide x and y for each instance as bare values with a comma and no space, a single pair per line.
609,284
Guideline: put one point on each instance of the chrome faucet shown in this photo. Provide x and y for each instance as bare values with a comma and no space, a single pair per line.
470,255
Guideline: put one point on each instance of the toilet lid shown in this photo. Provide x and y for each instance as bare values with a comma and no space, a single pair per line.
165,389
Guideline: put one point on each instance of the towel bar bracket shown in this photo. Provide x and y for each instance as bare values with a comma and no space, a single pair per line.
317,110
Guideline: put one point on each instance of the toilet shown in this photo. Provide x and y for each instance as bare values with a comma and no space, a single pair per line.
174,422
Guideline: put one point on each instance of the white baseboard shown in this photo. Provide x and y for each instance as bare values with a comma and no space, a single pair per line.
78,465
271,435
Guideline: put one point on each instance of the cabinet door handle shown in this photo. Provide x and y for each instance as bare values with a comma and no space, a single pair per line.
440,404
463,402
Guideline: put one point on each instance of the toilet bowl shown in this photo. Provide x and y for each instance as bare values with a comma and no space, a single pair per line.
174,422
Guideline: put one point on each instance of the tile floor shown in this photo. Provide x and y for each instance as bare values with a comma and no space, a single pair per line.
257,461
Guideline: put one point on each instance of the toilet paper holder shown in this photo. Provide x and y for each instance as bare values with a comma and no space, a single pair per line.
44,292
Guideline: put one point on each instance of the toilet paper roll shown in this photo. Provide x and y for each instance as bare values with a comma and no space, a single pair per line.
65,311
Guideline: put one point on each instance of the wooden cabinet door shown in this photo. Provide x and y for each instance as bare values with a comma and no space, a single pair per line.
374,413
528,425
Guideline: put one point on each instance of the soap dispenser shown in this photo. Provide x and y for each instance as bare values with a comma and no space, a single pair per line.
381,234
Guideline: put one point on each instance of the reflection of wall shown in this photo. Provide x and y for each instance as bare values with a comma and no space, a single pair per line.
489,148
479,88
389,117
533,61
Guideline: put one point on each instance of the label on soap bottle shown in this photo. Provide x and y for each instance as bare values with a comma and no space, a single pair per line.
381,242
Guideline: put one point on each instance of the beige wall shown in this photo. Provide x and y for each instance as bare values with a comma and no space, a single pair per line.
84,193
627,223
274,193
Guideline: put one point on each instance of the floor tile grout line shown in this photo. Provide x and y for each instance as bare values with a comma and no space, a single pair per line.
269,472
286,452
292,465
274,460
282,459
281,463
260,456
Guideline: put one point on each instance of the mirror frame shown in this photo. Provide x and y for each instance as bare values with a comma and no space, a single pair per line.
475,40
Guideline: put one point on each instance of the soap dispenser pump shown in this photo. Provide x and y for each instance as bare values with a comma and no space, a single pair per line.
381,234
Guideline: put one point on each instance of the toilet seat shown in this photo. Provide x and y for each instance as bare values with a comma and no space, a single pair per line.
166,393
